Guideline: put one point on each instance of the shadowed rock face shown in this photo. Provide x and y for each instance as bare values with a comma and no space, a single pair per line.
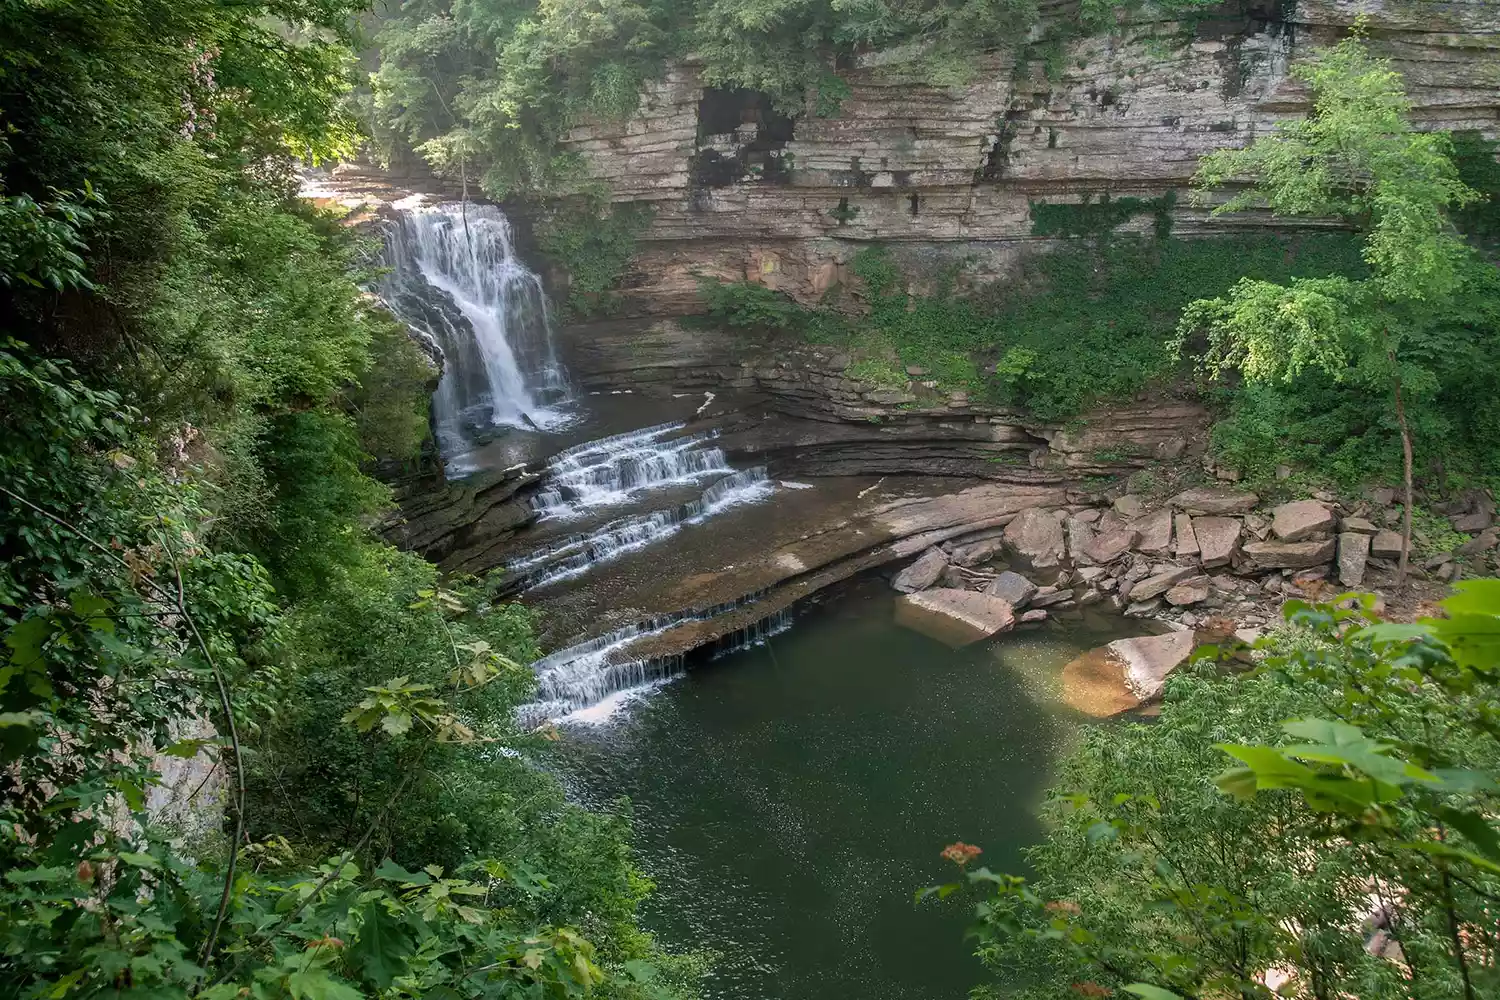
954,172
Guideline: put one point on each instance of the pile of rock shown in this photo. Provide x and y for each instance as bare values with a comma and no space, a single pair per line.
1205,552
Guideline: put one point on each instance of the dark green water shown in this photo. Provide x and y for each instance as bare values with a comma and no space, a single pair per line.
789,799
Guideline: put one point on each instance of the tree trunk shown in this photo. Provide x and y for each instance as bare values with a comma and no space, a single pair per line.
1405,481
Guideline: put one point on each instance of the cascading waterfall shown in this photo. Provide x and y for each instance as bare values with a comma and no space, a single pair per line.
574,680
575,554
614,470
455,280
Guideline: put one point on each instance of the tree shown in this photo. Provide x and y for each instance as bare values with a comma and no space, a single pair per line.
1322,825
1356,157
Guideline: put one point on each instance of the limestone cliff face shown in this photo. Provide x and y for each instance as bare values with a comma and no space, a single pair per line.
741,191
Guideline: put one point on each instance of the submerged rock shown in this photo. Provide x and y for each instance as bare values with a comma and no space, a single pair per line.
923,573
1124,674
955,617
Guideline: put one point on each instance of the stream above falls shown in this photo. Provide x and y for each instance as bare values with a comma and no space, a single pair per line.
788,799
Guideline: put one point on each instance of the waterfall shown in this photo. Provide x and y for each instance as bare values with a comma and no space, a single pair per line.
575,554
614,470
573,680
456,281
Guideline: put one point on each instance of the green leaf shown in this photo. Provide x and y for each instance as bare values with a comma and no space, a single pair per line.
382,947
1324,731
1442,850
140,860
392,872
940,891
396,723
1148,992
187,749
317,984
1474,827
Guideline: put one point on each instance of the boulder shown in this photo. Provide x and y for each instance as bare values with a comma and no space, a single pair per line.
1125,673
1188,592
1301,519
923,573
1013,588
1156,533
954,617
1046,597
1130,506
1471,524
1089,516
1258,526
1186,546
1387,545
1218,539
1108,546
1354,553
1290,555
1036,538
1155,586
1482,542
1361,525
1030,617
1080,535
1213,500
1382,496
976,552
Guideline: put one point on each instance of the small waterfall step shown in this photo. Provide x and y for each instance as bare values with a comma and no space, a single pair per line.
574,554
574,680
658,470
614,470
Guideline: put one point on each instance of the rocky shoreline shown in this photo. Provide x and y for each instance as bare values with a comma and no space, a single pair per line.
1207,561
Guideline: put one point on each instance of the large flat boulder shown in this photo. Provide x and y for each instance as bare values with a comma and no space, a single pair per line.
1212,500
1218,539
1290,555
923,573
955,617
1035,537
1155,586
1301,519
1110,545
1156,533
1125,673
1080,535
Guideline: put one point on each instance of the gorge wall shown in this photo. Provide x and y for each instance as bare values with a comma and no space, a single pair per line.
740,191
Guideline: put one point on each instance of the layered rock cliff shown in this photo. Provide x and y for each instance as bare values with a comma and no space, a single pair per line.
742,191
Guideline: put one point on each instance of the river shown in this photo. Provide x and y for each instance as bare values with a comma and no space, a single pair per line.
789,798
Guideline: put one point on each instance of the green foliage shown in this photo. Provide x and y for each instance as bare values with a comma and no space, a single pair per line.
1260,821
188,574
1097,218
1426,302
743,304
593,246
1474,159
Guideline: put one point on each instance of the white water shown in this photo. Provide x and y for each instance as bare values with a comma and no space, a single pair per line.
457,282
617,469
585,685
576,554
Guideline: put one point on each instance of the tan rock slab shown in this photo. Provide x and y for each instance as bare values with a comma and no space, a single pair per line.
1124,674
954,617
1156,533
1209,500
1218,540
1290,555
1301,519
